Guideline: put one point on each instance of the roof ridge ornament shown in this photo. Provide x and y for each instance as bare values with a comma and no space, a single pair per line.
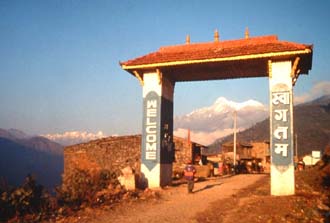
216,35
247,33
188,39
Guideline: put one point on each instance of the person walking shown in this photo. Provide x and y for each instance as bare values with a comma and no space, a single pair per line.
189,174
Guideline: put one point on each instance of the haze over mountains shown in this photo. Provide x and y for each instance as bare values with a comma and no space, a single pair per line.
21,154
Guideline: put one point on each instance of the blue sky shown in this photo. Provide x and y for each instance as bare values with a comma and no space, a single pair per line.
59,60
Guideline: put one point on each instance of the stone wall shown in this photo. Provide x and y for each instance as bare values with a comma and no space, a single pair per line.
183,152
112,153
116,153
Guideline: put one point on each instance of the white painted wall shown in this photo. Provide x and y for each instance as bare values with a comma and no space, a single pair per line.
282,177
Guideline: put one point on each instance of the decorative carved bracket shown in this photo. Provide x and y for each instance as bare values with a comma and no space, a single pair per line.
139,77
270,74
294,71
160,76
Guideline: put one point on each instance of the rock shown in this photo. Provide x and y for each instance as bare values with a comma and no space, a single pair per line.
127,171
127,179
323,207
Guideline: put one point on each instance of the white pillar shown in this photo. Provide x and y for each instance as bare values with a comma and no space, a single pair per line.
157,150
281,128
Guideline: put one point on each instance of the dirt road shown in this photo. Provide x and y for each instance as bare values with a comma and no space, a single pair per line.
176,205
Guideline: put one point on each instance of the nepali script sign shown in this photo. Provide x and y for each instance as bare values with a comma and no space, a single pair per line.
282,148
151,130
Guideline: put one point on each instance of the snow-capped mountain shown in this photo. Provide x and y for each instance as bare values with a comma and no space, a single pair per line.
209,123
74,137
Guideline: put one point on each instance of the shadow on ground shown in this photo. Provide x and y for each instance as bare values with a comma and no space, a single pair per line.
207,187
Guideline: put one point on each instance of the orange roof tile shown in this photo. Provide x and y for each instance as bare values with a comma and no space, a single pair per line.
216,50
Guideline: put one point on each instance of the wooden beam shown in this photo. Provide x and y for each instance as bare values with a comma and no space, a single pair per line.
294,71
294,67
160,76
139,77
270,68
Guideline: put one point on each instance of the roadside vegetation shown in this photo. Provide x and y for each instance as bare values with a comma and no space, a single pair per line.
31,202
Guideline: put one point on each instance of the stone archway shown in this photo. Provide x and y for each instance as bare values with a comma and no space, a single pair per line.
263,56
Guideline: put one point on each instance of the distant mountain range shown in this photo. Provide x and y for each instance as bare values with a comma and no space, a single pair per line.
74,137
311,125
21,154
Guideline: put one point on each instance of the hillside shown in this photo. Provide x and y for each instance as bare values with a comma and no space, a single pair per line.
311,124
21,155
38,143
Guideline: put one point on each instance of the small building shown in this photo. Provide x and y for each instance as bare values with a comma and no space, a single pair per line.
186,150
243,150
261,150
248,153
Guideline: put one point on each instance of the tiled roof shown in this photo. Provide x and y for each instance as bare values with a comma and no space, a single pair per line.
203,52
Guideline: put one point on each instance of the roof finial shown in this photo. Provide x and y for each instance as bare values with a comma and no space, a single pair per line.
247,34
216,36
187,39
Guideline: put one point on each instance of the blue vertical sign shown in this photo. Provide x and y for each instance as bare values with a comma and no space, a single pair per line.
151,130
282,148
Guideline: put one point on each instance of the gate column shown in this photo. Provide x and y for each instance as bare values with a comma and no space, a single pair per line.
157,149
281,128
